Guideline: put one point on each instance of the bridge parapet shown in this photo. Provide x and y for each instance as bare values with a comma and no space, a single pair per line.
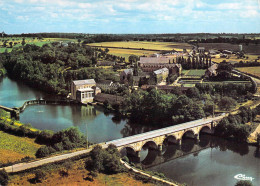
178,132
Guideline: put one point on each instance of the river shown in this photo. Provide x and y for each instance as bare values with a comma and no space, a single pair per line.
212,161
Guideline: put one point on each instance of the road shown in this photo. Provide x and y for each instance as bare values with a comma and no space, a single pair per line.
163,131
119,142
25,166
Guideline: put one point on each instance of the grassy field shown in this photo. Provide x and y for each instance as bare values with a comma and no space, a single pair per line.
125,49
13,148
77,175
199,72
251,70
128,52
29,40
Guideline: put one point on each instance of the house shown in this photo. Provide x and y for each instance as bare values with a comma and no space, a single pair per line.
160,59
84,90
161,75
151,67
106,63
105,84
126,76
201,50
211,71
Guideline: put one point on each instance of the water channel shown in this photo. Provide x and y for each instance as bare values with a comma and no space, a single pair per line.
212,161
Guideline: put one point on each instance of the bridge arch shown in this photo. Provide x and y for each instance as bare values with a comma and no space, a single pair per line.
189,134
205,129
170,139
127,150
127,147
149,144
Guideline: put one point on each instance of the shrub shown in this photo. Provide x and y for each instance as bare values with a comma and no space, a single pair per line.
244,183
125,159
42,152
3,177
39,176
58,146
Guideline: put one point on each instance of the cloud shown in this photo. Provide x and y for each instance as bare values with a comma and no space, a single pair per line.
111,14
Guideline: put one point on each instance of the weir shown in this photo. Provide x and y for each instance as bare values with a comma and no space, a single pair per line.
15,112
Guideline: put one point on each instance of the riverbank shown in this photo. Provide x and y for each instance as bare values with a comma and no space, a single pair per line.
77,175
14,148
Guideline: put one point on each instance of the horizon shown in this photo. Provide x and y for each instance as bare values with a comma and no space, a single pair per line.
130,16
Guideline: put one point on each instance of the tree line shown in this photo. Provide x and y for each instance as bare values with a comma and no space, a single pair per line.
52,67
235,126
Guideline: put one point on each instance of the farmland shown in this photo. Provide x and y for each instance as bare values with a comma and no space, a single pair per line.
252,49
17,41
125,49
13,148
233,58
251,70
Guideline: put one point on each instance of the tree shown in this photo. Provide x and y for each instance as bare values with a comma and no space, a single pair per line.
224,70
244,183
39,176
11,44
23,42
226,103
133,59
4,178
42,152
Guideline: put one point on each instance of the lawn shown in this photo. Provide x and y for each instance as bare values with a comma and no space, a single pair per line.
195,72
251,70
29,40
13,148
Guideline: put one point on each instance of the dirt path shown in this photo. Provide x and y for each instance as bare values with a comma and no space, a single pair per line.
148,175
253,135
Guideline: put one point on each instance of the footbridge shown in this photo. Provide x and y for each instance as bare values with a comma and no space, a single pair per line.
175,134
15,112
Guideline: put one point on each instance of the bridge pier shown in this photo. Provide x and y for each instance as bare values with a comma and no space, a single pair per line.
138,160
15,114
179,142
197,138
138,154
160,149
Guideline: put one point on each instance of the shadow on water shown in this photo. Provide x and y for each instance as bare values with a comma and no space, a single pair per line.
151,156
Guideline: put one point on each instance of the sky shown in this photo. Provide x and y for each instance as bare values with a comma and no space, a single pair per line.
130,16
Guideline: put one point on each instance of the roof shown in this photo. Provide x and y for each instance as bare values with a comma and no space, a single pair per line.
108,82
85,89
127,71
201,48
154,60
84,82
213,68
161,71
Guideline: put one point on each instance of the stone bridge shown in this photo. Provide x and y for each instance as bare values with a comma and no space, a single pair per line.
14,112
153,159
155,139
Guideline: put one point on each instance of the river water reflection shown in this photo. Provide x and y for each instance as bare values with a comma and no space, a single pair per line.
212,161
92,121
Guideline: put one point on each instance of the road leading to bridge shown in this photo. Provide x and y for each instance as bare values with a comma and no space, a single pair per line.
123,141
163,131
